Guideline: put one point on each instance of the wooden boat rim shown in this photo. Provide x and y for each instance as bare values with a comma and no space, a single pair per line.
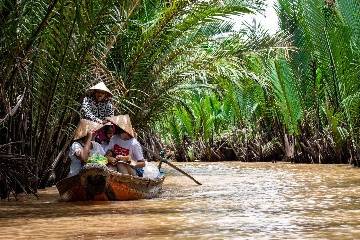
105,171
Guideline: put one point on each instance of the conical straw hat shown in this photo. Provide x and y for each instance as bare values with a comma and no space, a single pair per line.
102,87
84,127
123,122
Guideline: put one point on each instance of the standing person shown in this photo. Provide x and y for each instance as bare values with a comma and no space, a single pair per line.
97,106
124,151
83,147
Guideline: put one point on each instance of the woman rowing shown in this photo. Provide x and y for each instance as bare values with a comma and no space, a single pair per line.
97,105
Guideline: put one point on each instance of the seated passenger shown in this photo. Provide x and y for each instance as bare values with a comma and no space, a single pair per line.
104,135
83,147
124,152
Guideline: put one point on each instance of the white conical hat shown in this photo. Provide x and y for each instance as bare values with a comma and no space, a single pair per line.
84,127
123,122
102,87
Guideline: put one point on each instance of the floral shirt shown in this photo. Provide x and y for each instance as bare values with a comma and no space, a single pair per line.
96,111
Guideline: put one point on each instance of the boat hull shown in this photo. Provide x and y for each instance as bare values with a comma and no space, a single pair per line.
97,182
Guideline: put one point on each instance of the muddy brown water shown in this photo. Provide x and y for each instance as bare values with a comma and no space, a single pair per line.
236,201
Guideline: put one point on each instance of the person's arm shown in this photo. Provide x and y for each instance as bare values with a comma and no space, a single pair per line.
139,164
110,156
109,109
83,155
122,158
137,155
109,152
86,108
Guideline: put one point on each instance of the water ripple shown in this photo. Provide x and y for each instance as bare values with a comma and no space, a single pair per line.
236,201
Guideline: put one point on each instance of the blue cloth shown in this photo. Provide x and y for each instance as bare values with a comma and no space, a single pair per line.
139,172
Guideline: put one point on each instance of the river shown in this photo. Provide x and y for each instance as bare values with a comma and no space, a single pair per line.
236,201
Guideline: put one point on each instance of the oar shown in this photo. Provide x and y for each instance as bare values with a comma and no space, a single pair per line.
170,164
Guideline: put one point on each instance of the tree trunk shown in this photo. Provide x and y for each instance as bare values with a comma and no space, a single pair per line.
289,145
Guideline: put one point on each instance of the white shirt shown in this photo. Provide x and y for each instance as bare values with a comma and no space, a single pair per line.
75,149
129,147
104,146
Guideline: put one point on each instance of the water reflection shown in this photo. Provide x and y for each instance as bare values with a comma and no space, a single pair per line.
236,201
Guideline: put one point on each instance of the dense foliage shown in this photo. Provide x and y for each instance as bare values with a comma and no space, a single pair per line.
147,52
185,77
299,102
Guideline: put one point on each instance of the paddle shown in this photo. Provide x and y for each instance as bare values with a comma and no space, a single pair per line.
170,164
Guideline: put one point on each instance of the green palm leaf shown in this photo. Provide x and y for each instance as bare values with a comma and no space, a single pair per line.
287,100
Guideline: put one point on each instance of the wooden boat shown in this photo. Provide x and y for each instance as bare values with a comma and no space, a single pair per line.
97,182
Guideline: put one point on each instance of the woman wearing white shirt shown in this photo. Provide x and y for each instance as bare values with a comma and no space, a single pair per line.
83,147
124,152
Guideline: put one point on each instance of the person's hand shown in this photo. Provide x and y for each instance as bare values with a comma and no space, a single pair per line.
112,160
123,158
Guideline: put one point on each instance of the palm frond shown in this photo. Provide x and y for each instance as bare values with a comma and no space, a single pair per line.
285,92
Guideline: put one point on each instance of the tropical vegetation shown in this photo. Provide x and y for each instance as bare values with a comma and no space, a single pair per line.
190,82
298,101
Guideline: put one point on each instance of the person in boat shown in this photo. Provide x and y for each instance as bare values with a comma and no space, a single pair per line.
104,135
83,147
124,152
97,105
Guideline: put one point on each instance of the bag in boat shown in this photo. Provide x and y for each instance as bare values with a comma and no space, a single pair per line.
151,171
